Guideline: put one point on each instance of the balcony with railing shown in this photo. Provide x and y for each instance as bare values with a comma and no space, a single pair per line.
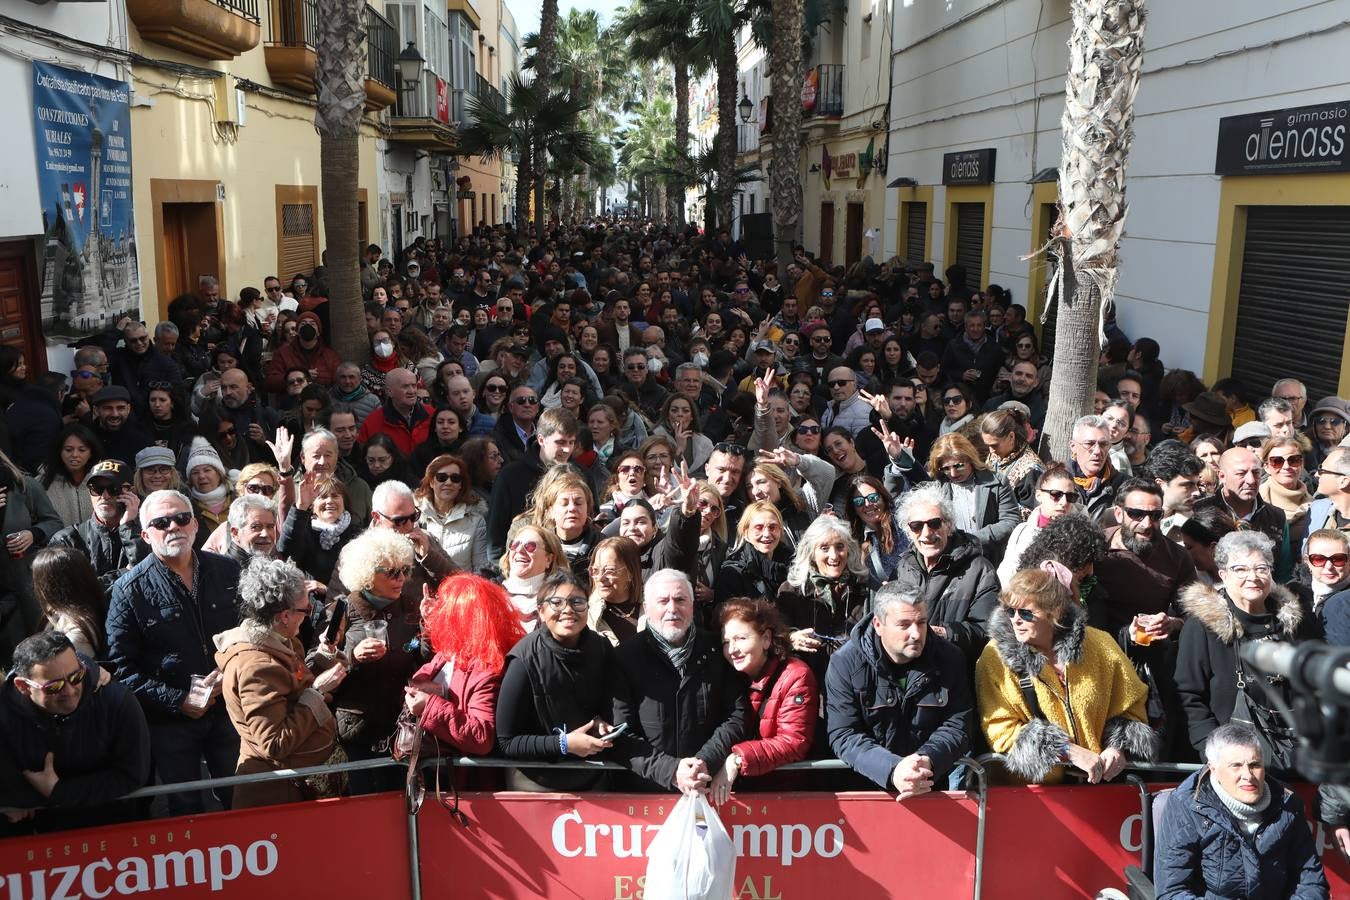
823,92
210,29
425,113
489,95
292,43
381,61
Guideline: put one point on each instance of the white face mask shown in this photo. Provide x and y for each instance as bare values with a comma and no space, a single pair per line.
384,349
701,360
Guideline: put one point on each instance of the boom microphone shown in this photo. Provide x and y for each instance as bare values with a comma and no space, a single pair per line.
1310,666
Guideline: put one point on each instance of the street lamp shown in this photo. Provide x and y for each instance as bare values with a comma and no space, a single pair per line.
745,107
410,64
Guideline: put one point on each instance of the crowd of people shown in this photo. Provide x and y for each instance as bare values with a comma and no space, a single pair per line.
628,494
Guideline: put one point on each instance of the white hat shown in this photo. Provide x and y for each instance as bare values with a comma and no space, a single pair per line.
873,325
203,454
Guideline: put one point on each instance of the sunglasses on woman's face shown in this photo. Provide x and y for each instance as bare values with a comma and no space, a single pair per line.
1026,615
873,499
1057,496
808,429
395,572
953,400
452,477
1318,560
1295,461
526,546
266,490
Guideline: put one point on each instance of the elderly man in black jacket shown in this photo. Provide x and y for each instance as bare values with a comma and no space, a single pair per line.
161,620
686,707
111,537
68,747
898,703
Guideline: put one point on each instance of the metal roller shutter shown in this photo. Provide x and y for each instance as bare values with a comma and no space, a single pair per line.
916,229
970,242
1291,303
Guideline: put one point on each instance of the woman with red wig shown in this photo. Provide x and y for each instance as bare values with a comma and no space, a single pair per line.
471,626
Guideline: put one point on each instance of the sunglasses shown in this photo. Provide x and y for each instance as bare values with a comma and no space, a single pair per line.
297,382
1025,615
56,686
557,603
729,448
827,293
87,373
161,523
808,429
953,400
840,382
933,524
792,342
1295,461
632,469
265,489
495,388
953,468
395,572
707,504
1318,560
1058,496
527,546
873,498
274,290
400,521
103,489
525,401
452,477
821,339
1140,514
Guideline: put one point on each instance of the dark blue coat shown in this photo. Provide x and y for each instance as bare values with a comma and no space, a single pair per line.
158,637
1204,853
873,724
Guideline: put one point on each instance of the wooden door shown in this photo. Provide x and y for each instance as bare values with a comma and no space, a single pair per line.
853,231
827,232
174,256
20,310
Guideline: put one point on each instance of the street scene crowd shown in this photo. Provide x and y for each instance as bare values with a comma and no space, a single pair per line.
628,494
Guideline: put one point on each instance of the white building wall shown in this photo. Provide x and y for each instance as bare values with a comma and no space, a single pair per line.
970,74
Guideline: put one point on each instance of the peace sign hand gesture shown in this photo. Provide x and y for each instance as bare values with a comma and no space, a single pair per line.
878,403
891,441
781,456
684,489
763,386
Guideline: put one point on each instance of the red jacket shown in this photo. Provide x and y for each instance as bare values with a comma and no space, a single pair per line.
384,419
290,355
788,702
466,717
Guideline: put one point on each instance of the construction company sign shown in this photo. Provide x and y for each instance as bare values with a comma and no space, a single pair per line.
266,852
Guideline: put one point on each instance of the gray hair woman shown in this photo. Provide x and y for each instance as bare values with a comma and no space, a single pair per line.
826,592
278,707
1247,606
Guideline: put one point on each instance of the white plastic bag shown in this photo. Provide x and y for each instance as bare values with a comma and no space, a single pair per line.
691,857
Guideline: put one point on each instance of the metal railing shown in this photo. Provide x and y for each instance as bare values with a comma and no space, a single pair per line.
295,23
247,9
381,49
488,94
829,101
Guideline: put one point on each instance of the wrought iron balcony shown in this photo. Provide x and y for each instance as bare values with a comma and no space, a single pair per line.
210,29
823,92
292,43
381,61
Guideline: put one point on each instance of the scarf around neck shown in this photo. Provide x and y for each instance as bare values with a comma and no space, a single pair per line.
678,656
213,500
1091,485
328,534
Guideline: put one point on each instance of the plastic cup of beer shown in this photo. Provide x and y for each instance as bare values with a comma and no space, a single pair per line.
199,692
378,630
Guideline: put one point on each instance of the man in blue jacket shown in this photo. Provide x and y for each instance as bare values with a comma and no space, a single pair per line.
897,698
1229,830
70,748
162,617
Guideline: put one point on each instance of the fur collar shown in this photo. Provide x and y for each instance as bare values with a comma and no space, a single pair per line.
1209,606
1025,660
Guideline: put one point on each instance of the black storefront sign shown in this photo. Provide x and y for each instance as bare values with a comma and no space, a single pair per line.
968,167
1304,140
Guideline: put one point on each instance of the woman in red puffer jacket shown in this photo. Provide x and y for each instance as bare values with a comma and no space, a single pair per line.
783,692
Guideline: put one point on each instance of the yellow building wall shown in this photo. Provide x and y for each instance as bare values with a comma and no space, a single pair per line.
177,138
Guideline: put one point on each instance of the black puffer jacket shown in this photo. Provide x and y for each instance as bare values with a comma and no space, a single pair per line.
101,752
702,712
961,590
748,573
111,551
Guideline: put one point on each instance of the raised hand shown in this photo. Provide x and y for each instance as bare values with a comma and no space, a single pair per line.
878,403
308,486
781,456
281,447
763,386
890,440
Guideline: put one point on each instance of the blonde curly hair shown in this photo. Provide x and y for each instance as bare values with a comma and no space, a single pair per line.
371,548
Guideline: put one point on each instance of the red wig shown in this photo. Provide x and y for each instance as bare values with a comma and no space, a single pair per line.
472,620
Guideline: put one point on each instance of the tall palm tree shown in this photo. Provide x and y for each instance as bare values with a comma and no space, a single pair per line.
339,79
1106,52
537,116
785,78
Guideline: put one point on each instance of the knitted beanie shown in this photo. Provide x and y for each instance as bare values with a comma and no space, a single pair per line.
203,454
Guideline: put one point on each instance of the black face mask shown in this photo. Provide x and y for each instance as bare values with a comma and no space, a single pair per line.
308,332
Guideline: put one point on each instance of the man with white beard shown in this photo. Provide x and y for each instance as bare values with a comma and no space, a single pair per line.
161,620
669,672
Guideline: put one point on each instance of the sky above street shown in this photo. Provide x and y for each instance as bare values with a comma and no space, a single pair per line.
527,11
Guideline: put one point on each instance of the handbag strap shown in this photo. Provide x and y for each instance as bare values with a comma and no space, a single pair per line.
1027,684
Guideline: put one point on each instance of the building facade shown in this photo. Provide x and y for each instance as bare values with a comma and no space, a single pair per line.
1238,238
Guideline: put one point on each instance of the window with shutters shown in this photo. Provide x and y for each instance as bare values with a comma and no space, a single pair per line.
1291,312
297,229
970,241
916,231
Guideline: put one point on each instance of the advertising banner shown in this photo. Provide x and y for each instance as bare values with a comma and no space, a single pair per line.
1307,140
83,137
442,100
329,848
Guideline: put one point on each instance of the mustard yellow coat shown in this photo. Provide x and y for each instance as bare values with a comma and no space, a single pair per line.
1104,706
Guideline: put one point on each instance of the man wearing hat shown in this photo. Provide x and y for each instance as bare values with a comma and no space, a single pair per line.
307,352
764,355
120,437
1251,435
1208,414
1327,425
111,536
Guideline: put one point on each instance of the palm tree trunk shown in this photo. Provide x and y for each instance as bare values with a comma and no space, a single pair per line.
785,79
726,133
524,182
543,72
681,125
339,79
1106,52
